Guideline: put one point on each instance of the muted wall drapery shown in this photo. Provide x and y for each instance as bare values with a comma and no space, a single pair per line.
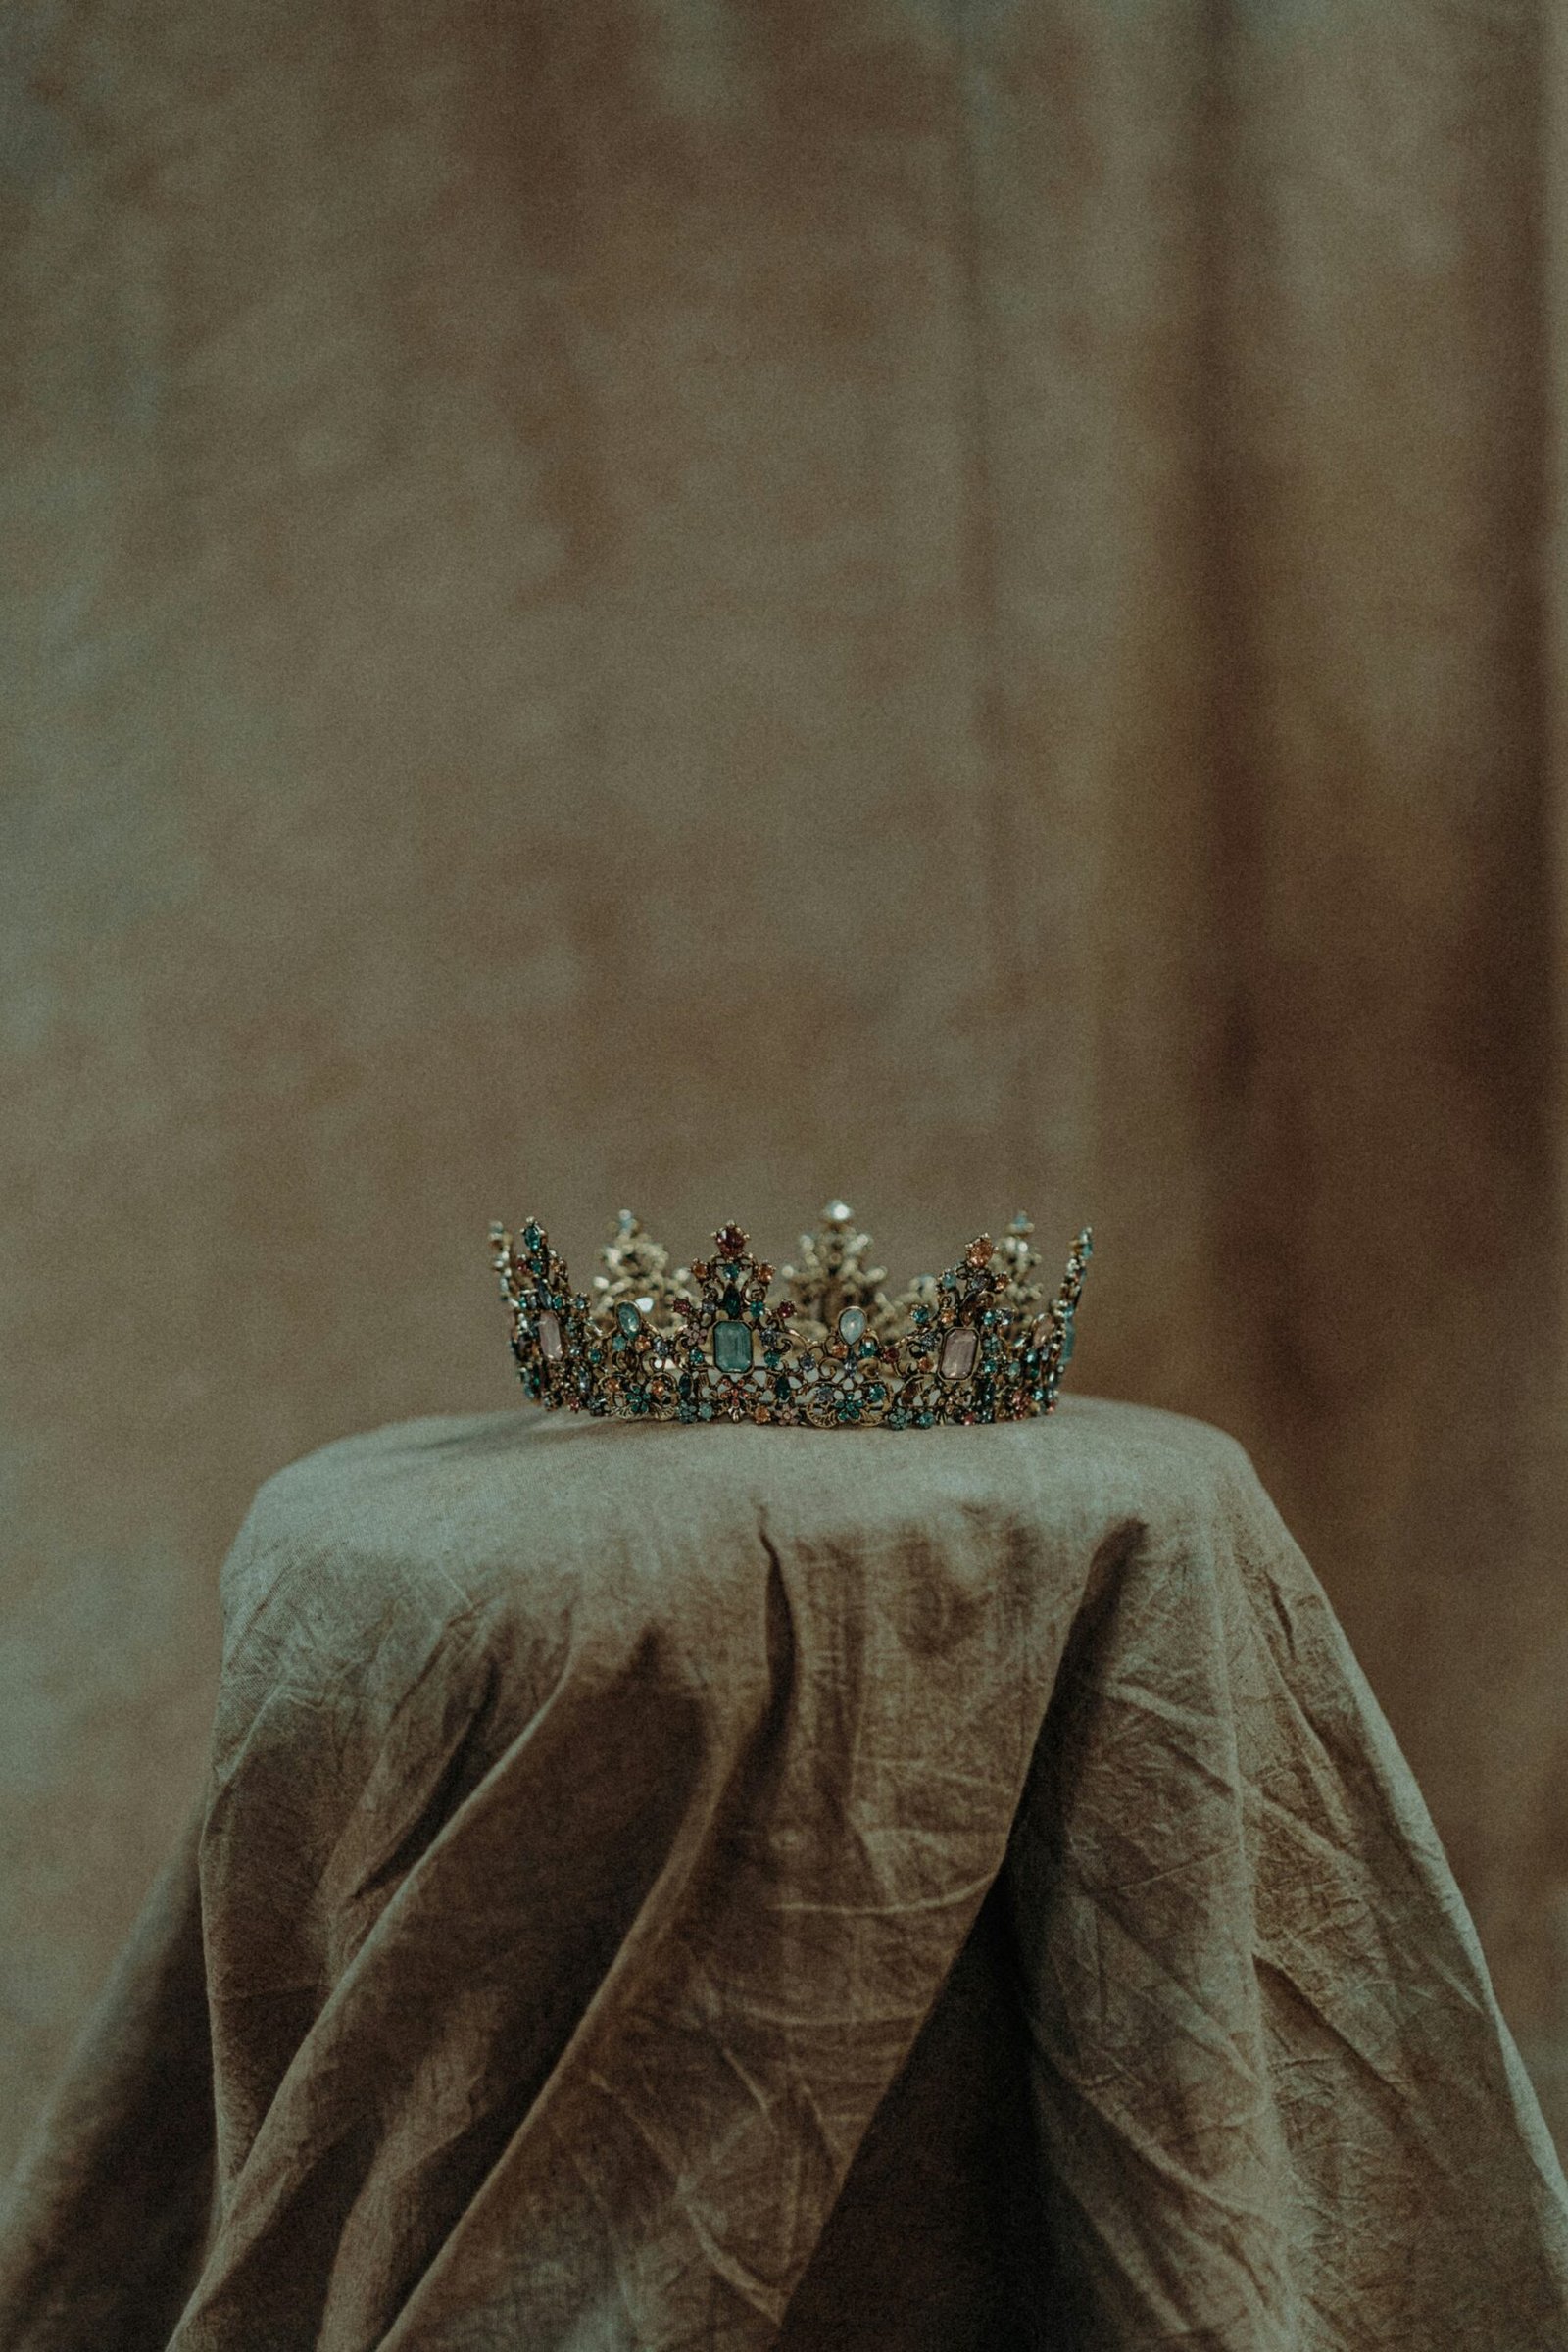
707,605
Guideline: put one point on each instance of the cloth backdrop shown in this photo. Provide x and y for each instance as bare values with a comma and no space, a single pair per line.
705,606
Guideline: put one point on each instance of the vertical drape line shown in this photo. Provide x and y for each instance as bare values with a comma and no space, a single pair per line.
1249,1245
1014,1041
1551,158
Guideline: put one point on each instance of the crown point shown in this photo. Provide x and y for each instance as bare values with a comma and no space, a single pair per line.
731,1241
980,1251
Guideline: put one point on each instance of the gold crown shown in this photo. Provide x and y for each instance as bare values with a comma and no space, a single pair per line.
702,1342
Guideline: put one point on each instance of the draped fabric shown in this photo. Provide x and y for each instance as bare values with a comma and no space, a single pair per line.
708,604
746,1886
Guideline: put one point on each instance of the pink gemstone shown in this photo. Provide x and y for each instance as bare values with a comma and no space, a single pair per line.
958,1351
551,1345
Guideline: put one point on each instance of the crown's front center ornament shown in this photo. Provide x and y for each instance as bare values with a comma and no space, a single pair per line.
979,1343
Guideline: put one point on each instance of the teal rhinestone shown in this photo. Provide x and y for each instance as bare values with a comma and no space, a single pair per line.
732,1301
628,1318
705,1412
732,1346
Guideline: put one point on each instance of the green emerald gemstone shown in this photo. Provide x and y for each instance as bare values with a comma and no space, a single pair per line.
732,1346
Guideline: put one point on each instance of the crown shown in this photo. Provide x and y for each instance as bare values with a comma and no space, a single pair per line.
705,1343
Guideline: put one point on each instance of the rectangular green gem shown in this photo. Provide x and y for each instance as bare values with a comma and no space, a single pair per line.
732,1346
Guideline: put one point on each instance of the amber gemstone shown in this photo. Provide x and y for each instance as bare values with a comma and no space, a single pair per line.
980,1253
959,1350
552,1347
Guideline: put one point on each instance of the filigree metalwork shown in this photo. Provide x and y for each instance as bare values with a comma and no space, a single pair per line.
976,1343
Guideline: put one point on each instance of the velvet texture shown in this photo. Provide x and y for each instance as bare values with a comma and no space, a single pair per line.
908,1892
703,605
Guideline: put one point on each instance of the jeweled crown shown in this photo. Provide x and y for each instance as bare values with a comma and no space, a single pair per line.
705,1343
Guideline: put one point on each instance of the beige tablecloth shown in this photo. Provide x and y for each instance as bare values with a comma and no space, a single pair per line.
670,1887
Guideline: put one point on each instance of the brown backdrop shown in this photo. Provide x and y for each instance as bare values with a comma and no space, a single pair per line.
702,605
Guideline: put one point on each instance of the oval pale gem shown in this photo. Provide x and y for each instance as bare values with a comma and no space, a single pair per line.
628,1318
852,1324
732,1346
552,1347
959,1350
